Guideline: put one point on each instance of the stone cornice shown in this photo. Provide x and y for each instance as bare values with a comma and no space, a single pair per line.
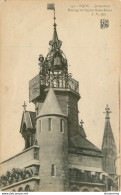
87,183
34,146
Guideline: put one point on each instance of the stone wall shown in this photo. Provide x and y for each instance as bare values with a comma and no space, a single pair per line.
85,162
21,160
53,151
68,101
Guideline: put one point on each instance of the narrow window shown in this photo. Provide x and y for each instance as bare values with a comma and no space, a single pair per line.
68,109
30,140
61,125
53,170
40,125
49,124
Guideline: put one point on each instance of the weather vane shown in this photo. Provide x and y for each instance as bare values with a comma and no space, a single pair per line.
51,6
107,112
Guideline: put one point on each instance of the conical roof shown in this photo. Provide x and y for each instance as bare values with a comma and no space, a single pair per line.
109,149
28,118
109,144
51,105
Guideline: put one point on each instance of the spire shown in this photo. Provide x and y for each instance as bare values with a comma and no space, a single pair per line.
108,146
55,43
55,36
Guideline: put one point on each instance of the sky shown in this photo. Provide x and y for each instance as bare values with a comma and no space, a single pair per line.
93,56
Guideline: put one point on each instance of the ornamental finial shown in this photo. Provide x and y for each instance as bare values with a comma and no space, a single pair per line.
24,106
107,112
81,123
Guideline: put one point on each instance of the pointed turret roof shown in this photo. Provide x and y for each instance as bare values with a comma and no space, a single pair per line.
108,140
28,118
51,105
108,146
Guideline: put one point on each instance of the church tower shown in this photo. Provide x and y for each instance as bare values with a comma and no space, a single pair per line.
109,146
55,95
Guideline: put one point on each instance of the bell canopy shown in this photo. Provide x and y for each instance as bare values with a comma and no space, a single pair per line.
55,61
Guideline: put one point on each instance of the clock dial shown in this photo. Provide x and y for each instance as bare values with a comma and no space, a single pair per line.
34,88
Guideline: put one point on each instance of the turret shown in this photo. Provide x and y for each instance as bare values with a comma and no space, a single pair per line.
52,138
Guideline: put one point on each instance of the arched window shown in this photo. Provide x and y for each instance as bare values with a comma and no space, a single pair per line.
27,188
85,189
74,189
20,189
29,141
24,128
97,190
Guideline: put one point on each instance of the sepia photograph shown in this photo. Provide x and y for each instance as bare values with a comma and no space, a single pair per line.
60,65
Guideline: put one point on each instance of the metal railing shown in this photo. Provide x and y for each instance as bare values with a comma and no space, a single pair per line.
61,82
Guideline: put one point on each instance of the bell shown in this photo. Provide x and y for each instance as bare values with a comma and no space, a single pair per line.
57,62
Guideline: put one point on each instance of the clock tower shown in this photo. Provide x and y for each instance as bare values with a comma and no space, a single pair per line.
54,73
55,95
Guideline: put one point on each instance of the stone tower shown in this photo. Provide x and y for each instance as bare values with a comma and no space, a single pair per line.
55,95
109,146
52,137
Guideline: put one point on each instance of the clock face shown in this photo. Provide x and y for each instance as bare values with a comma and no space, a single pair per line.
34,88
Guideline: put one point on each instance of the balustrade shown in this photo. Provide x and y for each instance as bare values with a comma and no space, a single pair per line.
85,176
60,82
